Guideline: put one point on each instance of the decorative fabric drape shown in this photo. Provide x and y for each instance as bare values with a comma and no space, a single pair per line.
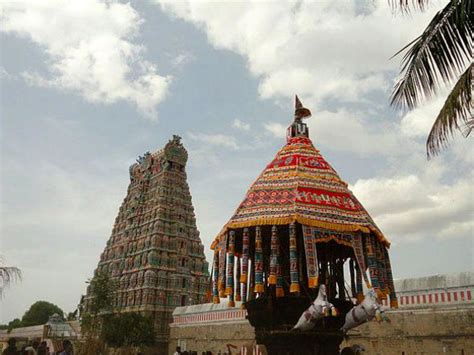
258,260
294,286
311,257
272,279
229,290
237,279
358,246
372,264
391,286
222,264
245,256
215,276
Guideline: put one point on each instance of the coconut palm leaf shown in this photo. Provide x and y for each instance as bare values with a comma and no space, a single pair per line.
439,55
8,274
406,6
456,112
468,128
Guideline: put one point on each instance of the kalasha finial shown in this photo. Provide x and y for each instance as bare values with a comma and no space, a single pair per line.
298,128
300,111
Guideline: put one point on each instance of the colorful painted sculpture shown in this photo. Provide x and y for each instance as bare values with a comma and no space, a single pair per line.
317,310
368,309
155,252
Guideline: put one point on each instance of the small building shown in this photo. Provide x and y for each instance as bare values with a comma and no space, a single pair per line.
53,332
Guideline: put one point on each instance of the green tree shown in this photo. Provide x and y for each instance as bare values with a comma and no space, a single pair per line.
103,328
39,313
72,315
16,323
102,291
128,329
440,55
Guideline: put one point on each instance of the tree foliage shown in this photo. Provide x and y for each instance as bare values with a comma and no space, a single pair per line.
456,113
72,315
437,57
39,313
102,292
128,329
16,323
103,328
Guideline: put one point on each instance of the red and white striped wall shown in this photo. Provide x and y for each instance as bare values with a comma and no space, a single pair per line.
433,297
217,316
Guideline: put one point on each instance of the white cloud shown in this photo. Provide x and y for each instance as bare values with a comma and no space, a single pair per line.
238,124
276,129
57,220
338,52
61,199
6,75
350,131
411,207
181,60
318,49
221,140
91,50
418,122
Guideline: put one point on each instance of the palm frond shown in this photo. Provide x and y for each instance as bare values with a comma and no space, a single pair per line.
406,6
456,113
8,274
440,54
468,127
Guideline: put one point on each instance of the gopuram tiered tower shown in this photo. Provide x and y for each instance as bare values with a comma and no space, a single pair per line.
154,253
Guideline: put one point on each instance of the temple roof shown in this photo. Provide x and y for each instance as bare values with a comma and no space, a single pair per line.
299,185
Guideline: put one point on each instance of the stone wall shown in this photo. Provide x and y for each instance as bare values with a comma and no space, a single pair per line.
210,327
212,337
428,331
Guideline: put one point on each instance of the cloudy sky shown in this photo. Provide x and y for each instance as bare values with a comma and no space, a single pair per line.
87,86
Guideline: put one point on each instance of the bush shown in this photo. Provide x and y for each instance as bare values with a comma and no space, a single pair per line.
128,329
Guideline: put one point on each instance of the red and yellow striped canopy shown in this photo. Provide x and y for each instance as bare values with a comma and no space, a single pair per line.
300,186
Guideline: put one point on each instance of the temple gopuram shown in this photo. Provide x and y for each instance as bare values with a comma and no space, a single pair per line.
154,252
298,252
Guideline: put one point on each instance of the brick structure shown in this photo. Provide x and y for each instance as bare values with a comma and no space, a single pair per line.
155,253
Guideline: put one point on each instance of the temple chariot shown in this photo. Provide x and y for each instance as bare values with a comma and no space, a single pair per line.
300,251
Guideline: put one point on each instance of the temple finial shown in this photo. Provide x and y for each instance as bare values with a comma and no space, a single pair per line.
298,128
300,111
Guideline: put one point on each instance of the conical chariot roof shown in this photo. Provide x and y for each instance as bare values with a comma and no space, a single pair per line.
299,185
